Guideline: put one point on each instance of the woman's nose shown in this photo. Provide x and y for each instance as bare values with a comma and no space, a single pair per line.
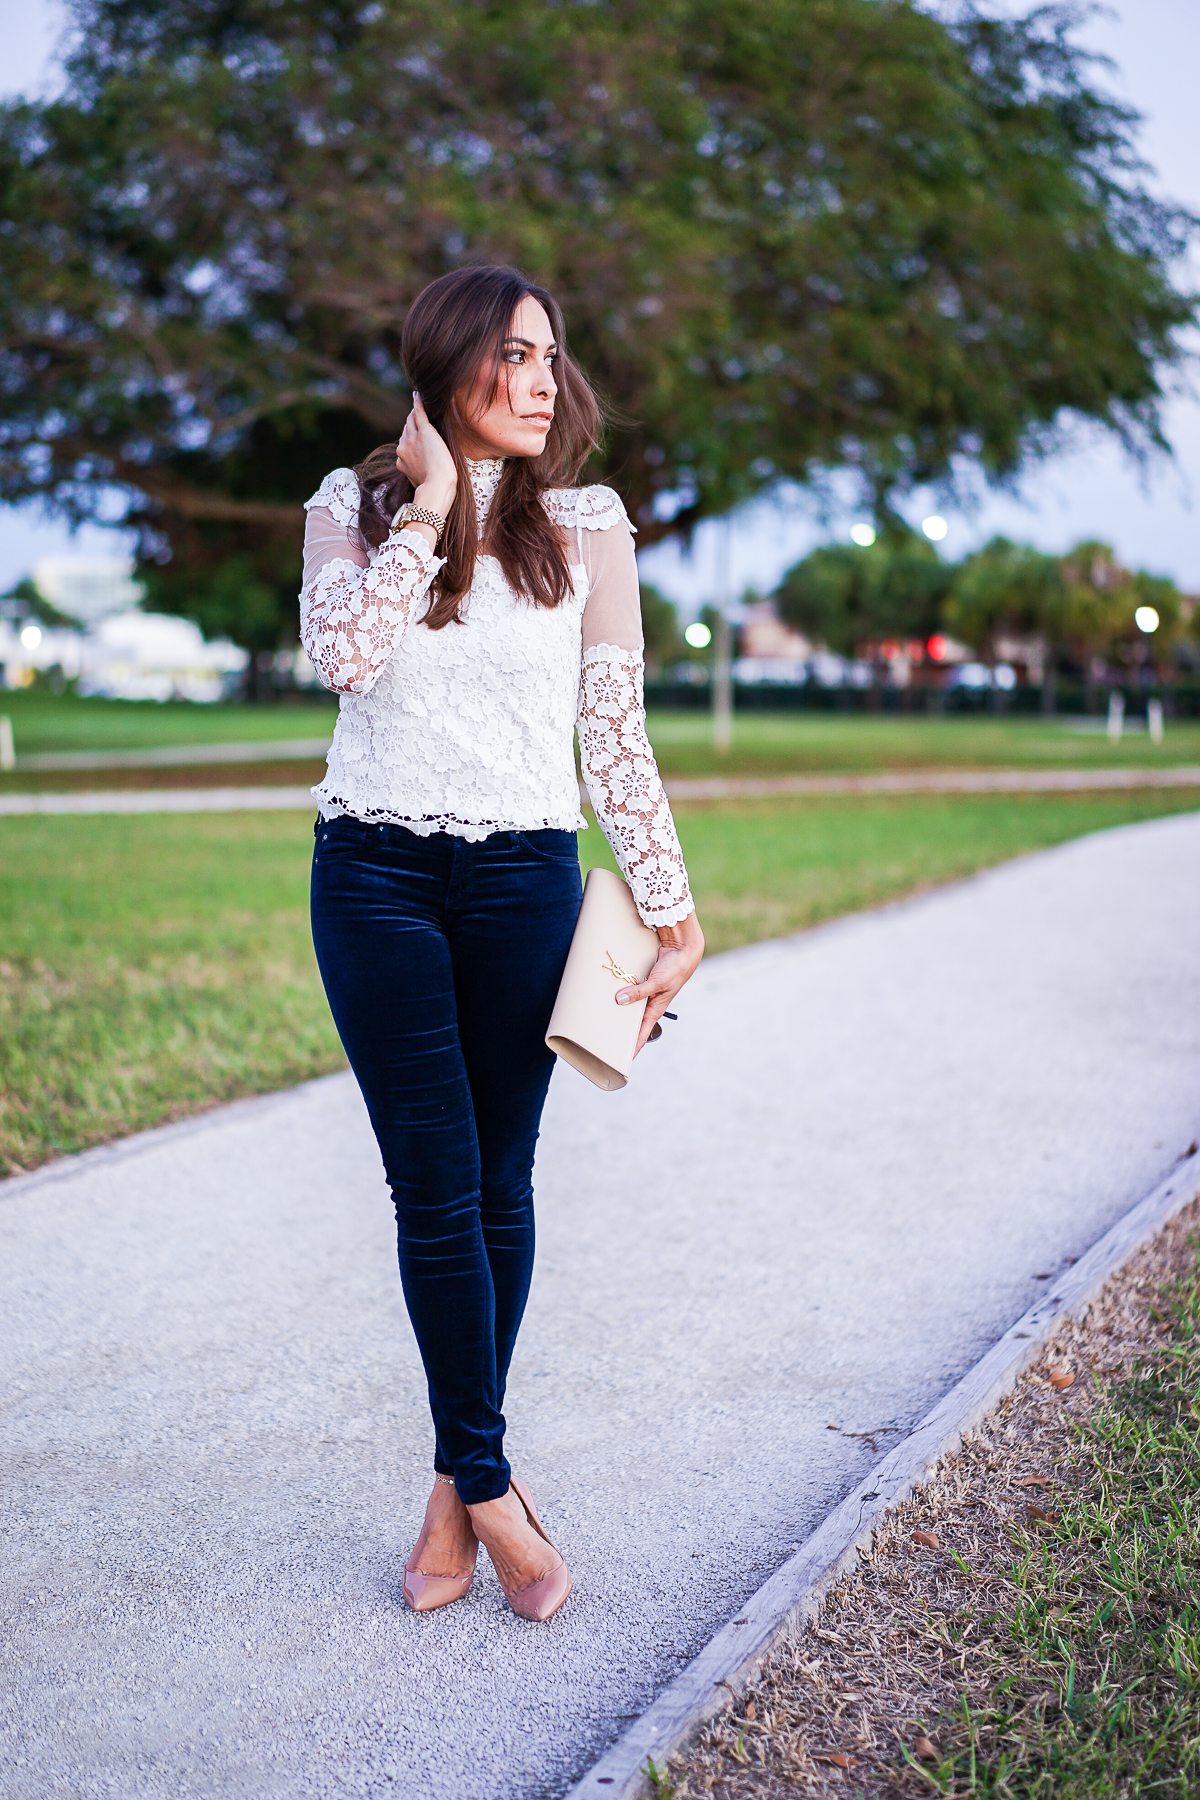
545,385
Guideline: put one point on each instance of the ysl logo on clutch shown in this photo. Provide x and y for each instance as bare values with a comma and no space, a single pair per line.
613,967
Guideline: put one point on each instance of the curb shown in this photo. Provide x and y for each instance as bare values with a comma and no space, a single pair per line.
792,1597
76,1162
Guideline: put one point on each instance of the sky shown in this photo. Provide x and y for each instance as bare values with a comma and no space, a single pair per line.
1150,515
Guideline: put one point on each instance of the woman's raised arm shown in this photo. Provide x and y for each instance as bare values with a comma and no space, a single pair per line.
352,612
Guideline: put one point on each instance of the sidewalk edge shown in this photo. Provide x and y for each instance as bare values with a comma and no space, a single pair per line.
792,1597
78,1162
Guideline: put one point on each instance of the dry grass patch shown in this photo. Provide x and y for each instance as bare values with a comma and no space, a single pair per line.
1027,1624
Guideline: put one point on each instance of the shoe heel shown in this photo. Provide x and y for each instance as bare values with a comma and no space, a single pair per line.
541,1599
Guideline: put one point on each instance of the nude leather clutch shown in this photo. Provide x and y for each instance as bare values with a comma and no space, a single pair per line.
611,949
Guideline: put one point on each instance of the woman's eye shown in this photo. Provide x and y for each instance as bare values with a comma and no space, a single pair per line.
515,356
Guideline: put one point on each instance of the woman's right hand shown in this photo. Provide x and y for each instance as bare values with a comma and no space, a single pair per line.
422,455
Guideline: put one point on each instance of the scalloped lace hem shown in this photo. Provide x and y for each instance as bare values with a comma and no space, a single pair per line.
668,915
330,806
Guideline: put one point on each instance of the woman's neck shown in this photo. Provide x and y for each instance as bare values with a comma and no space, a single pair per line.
484,473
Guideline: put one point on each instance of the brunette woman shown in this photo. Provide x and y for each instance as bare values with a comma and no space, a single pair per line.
474,610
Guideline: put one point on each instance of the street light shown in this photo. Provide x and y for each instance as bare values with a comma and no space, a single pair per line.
1146,619
934,527
862,535
723,647
698,636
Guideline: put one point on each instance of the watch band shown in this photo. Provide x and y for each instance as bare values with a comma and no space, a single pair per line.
420,515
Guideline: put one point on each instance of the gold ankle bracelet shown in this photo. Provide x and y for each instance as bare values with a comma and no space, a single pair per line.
448,1479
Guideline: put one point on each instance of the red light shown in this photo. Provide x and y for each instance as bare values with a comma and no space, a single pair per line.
938,645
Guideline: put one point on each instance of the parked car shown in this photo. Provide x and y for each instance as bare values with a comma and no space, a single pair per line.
976,675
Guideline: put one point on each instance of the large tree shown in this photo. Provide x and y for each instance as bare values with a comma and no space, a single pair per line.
791,236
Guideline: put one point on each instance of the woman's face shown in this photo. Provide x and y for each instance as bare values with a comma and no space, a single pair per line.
516,421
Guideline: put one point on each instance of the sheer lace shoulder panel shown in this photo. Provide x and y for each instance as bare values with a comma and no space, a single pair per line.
624,785
595,508
340,493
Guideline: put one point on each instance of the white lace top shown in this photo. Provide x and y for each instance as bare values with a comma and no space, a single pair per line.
470,729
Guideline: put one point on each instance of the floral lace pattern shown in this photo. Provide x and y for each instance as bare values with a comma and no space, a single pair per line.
350,618
624,785
469,729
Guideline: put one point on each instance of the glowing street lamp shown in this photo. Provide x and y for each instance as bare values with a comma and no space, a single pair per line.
1146,619
31,636
934,528
698,636
863,535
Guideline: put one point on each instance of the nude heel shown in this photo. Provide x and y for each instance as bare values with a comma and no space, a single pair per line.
541,1599
424,1593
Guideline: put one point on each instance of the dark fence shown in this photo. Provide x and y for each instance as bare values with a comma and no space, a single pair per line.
1070,699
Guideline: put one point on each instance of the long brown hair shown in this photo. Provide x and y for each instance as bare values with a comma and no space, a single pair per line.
457,327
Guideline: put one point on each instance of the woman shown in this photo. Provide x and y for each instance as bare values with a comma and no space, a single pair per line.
474,609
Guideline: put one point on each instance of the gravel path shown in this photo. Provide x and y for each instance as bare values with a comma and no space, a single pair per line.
825,1194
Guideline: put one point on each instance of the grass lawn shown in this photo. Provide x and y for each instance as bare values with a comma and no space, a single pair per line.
63,722
153,965
764,743
818,743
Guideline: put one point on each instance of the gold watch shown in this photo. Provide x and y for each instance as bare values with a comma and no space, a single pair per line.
420,515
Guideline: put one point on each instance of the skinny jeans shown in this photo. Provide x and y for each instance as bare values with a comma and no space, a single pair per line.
441,960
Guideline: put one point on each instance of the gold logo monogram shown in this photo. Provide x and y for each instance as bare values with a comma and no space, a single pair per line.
613,967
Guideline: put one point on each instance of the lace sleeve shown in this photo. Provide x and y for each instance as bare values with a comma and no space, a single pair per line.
618,764
353,610
624,785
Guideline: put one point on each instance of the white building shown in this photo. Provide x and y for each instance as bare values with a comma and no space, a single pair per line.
130,656
153,656
88,588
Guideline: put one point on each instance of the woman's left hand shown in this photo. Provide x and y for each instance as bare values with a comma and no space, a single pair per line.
681,947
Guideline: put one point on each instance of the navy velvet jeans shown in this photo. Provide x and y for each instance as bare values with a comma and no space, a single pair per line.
441,959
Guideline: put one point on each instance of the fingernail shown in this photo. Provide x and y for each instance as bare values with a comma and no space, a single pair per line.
624,999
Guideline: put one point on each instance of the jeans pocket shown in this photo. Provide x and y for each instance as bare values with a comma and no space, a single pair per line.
550,846
343,833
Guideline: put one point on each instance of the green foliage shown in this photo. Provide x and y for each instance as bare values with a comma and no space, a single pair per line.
843,596
660,627
1081,605
1097,602
790,235
1005,589
25,601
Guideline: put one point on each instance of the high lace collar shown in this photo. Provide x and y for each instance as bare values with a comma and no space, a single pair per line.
485,479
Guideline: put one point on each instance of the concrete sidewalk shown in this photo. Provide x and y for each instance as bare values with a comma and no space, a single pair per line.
824,1194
